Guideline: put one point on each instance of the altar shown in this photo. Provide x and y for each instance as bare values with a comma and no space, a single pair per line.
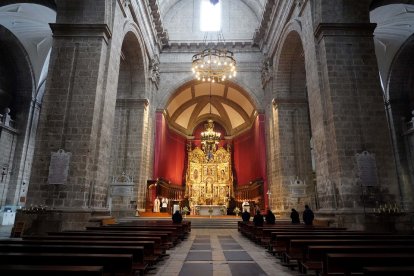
203,210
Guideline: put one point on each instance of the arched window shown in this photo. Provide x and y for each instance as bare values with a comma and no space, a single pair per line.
210,16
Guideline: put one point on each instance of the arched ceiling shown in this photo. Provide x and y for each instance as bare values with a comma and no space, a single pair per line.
395,23
231,107
30,24
255,5
181,18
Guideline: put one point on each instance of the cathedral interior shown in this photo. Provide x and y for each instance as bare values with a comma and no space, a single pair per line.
108,104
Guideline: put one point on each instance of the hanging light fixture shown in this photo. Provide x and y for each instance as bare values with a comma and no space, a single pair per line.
210,138
214,64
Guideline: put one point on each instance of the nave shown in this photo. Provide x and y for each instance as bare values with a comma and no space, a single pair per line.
213,252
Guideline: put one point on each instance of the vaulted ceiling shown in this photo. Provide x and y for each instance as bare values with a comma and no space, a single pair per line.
231,107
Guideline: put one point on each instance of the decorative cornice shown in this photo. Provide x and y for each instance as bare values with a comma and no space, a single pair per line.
198,45
162,33
81,30
132,103
285,101
344,29
264,23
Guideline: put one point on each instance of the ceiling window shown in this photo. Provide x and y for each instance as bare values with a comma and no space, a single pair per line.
210,16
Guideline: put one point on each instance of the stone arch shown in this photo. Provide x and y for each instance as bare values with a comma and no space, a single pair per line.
130,117
400,111
17,88
18,69
290,142
168,94
227,98
134,60
47,3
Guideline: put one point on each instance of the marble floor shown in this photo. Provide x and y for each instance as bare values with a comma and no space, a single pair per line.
219,252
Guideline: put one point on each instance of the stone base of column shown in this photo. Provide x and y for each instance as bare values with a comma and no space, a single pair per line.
38,222
367,221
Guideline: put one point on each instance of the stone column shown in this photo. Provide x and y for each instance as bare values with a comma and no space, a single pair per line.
72,116
354,108
129,152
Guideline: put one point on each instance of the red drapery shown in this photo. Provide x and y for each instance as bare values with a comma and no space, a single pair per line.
170,150
249,151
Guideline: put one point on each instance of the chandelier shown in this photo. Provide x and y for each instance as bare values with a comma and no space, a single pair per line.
209,139
209,135
214,64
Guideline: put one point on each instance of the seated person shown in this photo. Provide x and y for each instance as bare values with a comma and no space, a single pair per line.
258,219
177,217
245,216
270,217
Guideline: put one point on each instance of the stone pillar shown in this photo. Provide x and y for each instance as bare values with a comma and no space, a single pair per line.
72,117
354,108
129,152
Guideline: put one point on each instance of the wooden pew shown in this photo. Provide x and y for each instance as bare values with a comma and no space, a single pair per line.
151,255
351,263
316,253
161,242
387,271
282,241
51,270
173,232
113,264
303,244
136,251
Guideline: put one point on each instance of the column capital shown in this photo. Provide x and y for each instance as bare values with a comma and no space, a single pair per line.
132,103
81,30
344,29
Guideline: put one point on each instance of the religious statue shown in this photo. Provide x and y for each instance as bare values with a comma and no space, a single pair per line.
156,205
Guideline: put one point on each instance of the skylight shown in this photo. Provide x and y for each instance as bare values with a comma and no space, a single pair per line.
210,16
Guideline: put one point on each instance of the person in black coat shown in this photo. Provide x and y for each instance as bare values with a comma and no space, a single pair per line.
177,217
308,216
270,217
258,219
294,215
245,216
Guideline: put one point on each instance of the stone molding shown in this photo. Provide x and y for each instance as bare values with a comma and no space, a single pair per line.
161,32
344,29
81,30
198,45
264,24
285,101
132,103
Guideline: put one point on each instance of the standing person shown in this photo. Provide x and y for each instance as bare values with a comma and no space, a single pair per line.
294,215
177,217
245,216
308,216
258,219
156,205
270,217
164,204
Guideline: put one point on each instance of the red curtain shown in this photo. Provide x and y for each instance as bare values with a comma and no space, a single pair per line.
249,151
170,150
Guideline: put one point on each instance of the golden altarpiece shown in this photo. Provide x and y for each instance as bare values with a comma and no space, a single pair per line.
209,177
